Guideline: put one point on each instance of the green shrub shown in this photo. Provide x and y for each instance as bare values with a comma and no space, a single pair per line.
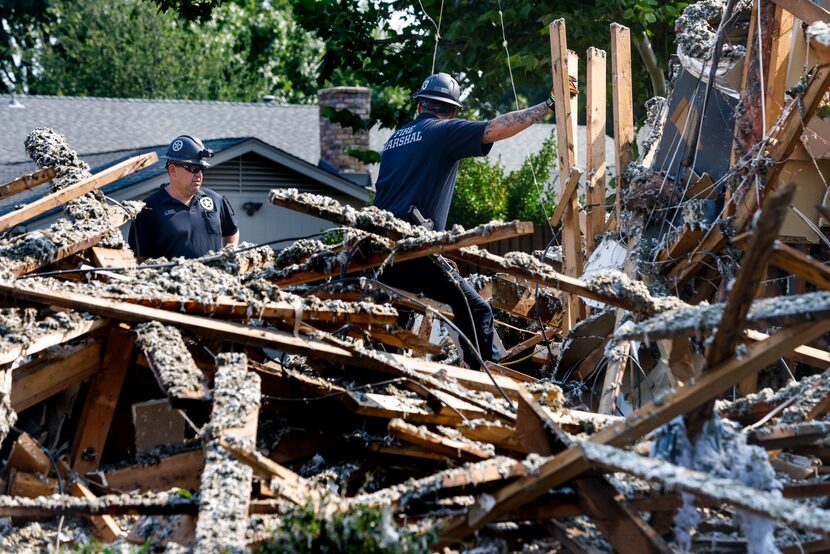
361,530
484,192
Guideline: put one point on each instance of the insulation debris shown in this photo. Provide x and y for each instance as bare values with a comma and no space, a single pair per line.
671,395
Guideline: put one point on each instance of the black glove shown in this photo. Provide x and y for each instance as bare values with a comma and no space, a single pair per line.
551,100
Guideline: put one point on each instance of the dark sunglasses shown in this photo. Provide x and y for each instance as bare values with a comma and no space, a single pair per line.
190,168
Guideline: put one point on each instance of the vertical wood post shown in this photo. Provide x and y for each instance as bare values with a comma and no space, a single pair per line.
623,106
776,86
595,147
566,152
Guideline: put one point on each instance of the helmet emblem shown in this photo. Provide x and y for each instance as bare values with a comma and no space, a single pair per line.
426,84
207,203
177,145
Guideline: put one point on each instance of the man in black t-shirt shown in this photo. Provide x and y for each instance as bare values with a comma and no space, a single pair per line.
418,167
183,218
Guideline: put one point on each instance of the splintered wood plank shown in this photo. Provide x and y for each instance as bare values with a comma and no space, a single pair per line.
106,528
511,373
176,471
31,485
805,354
172,364
623,528
789,436
48,340
595,155
685,242
444,482
27,455
549,278
112,257
99,407
744,289
803,265
566,153
564,202
806,10
512,352
27,181
269,338
436,443
623,102
612,382
532,302
292,487
43,378
727,491
415,410
558,469
77,190
444,242
282,311
225,491
116,217
776,85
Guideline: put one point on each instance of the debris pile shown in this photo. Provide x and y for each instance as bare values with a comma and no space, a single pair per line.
664,383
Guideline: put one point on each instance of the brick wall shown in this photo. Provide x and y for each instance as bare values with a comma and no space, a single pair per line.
335,141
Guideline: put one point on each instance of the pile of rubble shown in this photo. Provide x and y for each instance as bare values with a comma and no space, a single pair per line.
670,396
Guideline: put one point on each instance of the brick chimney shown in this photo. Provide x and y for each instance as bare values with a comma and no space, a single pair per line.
335,141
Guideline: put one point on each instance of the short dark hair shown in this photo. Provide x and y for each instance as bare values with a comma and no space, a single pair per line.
440,108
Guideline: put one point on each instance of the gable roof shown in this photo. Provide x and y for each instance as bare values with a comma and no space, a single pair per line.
152,176
94,125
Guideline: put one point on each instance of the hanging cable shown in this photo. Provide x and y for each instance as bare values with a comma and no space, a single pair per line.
437,30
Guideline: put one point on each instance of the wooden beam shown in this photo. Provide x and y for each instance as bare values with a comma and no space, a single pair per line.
105,525
27,181
624,529
744,290
225,492
806,10
101,399
50,339
42,378
623,102
433,442
571,185
556,470
512,352
28,456
794,261
614,373
61,197
805,354
116,217
566,153
776,85
595,155
548,278
444,242
177,471
530,302
161,503
727,491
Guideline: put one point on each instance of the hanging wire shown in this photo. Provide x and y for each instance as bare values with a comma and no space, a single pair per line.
437,30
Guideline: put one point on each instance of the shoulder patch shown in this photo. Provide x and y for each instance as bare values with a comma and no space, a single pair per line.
206,202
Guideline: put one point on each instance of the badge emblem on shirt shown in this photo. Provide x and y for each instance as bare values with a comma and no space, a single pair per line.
171,211
207,203
177,145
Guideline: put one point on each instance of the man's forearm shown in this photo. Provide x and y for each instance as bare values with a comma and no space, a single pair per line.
231,240
507,125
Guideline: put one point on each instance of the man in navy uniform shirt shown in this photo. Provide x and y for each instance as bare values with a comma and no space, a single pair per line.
183,218
418,166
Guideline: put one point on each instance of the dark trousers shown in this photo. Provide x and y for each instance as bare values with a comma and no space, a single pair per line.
423,276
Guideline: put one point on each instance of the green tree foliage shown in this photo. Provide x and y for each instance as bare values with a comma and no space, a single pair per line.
127,48
380,55
362,530
484,192
21,24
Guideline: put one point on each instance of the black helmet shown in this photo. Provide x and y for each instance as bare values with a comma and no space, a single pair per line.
441,87
185,148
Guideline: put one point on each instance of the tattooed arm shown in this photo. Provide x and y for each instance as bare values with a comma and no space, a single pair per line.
507,125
